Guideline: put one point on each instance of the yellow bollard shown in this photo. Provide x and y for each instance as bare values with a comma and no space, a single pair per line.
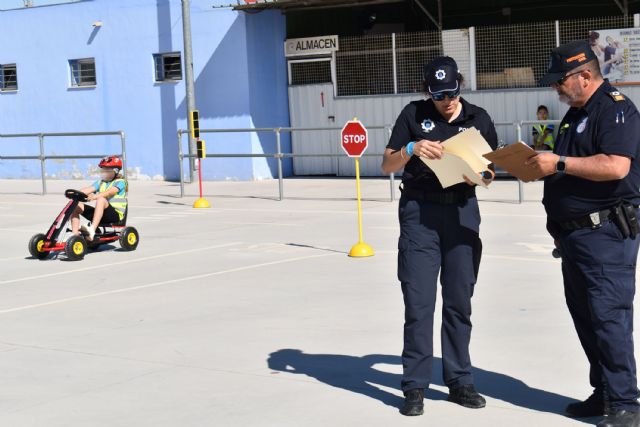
360,249
201,202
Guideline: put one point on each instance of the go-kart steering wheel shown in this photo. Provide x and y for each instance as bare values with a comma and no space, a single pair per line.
76,195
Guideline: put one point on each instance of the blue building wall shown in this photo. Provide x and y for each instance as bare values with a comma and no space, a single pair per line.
240,72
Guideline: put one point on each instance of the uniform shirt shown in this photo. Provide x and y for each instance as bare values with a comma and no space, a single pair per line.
420,120
608,124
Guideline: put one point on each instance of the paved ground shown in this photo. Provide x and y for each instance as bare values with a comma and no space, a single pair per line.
251,314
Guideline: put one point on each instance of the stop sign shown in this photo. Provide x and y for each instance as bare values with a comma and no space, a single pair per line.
354,138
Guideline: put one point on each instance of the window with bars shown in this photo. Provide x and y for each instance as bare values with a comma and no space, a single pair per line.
307,72
83,72
168,66
8,78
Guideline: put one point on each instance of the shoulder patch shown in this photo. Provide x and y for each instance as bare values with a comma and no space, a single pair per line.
617,96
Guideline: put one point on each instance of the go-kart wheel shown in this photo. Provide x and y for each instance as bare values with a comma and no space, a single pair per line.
129,239
35,246
75,248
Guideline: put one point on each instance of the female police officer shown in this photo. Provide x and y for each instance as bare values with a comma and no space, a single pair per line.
438,233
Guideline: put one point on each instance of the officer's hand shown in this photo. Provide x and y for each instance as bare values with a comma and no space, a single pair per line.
429,149
91,197
544,164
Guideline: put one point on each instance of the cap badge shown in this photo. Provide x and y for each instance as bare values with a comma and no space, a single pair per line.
440,74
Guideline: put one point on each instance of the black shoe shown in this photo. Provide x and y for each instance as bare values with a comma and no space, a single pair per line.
620,418
466,396
413,402
594,406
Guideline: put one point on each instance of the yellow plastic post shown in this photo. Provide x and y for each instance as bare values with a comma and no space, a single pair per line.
360,249
201,202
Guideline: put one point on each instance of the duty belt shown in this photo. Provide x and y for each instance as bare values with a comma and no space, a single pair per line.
445,198
593,220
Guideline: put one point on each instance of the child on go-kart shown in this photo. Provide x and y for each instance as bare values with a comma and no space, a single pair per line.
110,195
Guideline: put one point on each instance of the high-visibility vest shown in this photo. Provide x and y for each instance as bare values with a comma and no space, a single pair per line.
119,201
548,140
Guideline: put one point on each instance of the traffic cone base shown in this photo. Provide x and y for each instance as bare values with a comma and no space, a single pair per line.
361,249
201,203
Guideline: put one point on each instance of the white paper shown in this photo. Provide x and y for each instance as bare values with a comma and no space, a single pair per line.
470,145
450,170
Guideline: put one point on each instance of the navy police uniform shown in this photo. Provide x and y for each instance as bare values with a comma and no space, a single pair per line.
598,263
438,233
598,254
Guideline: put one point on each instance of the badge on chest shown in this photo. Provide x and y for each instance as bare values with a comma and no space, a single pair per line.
428,125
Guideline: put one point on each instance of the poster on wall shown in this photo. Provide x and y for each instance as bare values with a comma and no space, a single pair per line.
618,53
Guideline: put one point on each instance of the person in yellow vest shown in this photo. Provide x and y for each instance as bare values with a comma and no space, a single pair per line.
542,133
110,195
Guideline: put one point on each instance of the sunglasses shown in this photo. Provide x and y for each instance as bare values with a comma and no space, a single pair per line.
451,94
561,81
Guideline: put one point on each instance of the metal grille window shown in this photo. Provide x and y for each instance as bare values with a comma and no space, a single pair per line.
310,71
83,72
413,50
168,66
8,77
365,65
579,29
513,55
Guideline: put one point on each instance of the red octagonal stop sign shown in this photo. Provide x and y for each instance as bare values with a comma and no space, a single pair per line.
354,138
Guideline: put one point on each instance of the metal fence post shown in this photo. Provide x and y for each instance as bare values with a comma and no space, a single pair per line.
42,168
395,67
279,157
392,177
520,184
472,59
124,153
180,161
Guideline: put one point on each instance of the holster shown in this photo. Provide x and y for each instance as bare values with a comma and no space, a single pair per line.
631,217
620,219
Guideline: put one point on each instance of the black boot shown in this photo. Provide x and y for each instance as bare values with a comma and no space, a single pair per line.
413,402
466,396
620,418
594,406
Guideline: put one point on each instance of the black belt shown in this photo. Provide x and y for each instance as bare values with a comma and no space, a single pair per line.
445,198
593,220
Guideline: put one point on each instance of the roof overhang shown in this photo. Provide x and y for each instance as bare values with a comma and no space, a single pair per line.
289,5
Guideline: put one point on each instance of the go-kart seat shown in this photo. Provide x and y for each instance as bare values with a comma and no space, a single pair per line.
121,223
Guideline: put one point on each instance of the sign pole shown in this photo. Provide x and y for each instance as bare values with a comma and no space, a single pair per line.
354,142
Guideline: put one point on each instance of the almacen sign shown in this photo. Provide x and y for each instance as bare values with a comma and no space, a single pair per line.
322,45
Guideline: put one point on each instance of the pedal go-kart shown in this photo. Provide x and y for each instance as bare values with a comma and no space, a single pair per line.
75,247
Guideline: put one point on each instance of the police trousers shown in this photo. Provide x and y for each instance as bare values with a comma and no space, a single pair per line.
599,267
437,239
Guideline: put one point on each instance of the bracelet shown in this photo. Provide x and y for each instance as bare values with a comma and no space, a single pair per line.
402,155
409,148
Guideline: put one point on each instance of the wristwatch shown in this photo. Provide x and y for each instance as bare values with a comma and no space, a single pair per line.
561,166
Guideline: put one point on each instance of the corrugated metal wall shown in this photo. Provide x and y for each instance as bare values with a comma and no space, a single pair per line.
307,110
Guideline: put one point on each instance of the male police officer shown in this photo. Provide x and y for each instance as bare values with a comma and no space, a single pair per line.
591,197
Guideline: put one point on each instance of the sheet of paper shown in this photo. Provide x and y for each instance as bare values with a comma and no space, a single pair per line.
450,169
470,145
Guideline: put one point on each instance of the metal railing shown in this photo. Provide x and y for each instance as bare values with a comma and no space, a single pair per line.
518,126
279,155
44,157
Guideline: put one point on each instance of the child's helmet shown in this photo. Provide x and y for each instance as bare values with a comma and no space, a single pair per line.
111,162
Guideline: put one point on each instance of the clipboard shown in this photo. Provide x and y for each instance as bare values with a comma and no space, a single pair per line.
512,157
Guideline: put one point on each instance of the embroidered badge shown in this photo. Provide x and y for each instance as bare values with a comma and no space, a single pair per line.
440,74
428,125
617,96
582,125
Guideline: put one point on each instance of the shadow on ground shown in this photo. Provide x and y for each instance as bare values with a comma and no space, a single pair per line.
358,375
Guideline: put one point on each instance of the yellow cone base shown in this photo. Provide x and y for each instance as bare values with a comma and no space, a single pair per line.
361,250
201,203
